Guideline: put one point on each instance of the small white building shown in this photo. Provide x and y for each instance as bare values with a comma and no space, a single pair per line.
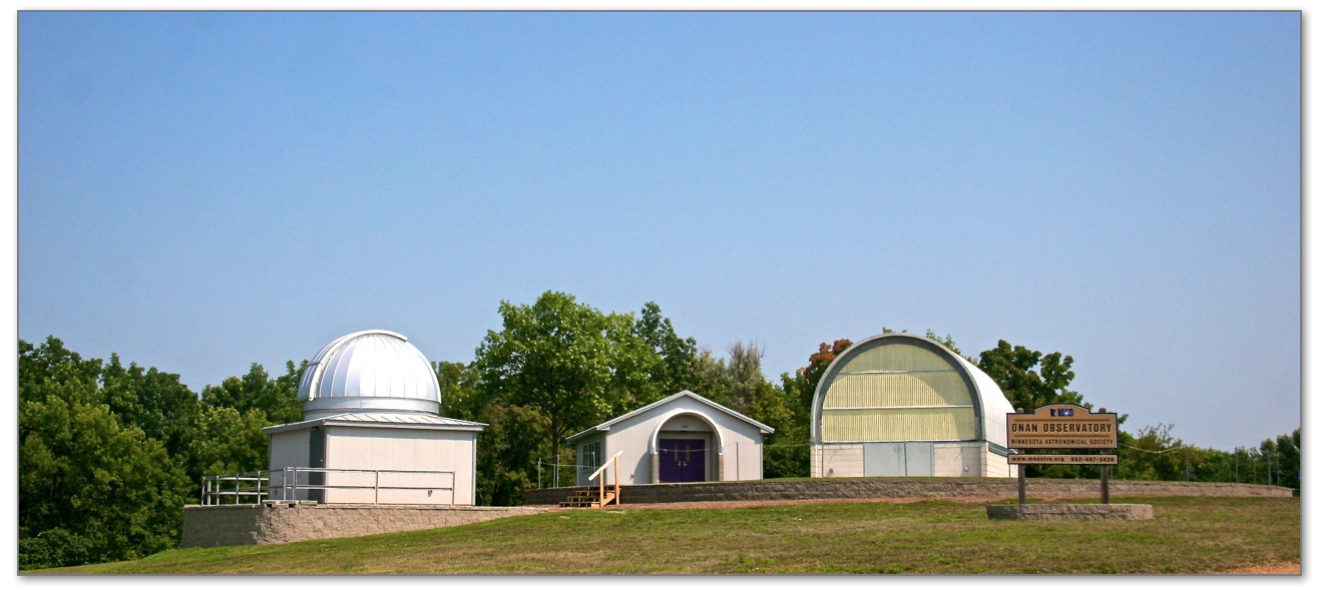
681,438
371,430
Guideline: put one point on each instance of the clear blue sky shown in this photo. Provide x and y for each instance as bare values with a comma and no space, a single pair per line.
201,191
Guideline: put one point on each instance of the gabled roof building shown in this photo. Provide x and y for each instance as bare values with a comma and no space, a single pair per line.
681,438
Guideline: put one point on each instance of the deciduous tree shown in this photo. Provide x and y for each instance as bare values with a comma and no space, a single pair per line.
553,357
276,398
1030,379
91,490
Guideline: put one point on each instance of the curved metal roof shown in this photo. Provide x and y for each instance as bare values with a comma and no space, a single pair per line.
374,370
992,407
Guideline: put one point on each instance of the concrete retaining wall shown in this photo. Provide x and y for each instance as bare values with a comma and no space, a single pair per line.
922,488
277,522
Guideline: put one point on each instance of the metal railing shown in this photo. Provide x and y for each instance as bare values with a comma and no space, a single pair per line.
285,484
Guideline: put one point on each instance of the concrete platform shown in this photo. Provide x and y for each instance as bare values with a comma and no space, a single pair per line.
1047,511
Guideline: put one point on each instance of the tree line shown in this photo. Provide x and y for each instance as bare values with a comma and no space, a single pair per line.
108,454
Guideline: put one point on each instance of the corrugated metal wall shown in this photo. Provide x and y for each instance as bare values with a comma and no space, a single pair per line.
897,392
899,424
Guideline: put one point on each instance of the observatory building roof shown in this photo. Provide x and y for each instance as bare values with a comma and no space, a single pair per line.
901,387
380,420
369,371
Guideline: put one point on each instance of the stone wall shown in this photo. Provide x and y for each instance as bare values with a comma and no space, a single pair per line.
918,488
276,522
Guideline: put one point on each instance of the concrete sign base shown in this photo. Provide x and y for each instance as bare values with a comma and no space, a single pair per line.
1057,511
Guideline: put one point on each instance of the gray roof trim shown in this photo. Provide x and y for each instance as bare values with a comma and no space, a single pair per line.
381,421
604,426
586,433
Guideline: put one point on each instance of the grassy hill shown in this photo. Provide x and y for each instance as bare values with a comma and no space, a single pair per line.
1188,535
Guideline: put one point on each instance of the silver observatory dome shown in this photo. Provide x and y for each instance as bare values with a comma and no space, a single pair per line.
369,371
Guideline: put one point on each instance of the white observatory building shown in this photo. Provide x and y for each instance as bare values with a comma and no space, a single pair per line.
371,430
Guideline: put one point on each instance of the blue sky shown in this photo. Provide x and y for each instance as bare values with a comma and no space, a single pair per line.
201,191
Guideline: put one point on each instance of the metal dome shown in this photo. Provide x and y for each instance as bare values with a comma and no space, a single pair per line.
369,371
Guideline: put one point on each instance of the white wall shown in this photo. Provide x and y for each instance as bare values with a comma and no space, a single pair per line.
959,459
372,448
951,459
743,459
288,449
837,460
742,443
996,466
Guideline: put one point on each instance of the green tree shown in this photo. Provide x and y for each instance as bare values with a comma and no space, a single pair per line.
1030,379
458,392
675,366
631,361
947,342
227,437
226,441
1289,459
93,484
509,449
553,357
1151,454
51,370
109,453
91,490
787,450
276,398
1278,460
156,402
556,367
713,378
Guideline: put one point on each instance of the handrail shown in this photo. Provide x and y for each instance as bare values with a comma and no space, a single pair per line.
618,487
213,486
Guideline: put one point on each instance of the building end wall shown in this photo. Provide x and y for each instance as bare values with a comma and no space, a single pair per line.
951,459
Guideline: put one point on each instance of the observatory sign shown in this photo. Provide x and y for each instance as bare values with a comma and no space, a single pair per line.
1062,426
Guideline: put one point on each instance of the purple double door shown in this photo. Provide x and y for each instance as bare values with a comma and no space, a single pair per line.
682,460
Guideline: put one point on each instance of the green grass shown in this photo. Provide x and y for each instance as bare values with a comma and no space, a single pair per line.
1187,535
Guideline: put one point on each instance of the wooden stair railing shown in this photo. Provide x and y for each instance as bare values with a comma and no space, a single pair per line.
598,496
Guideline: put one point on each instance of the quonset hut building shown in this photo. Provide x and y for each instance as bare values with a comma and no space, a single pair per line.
903,405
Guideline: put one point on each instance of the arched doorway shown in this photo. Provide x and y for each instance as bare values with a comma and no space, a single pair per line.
687,449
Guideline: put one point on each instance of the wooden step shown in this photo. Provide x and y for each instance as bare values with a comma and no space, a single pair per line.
588,499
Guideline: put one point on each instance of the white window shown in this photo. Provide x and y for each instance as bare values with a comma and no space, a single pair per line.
590,457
